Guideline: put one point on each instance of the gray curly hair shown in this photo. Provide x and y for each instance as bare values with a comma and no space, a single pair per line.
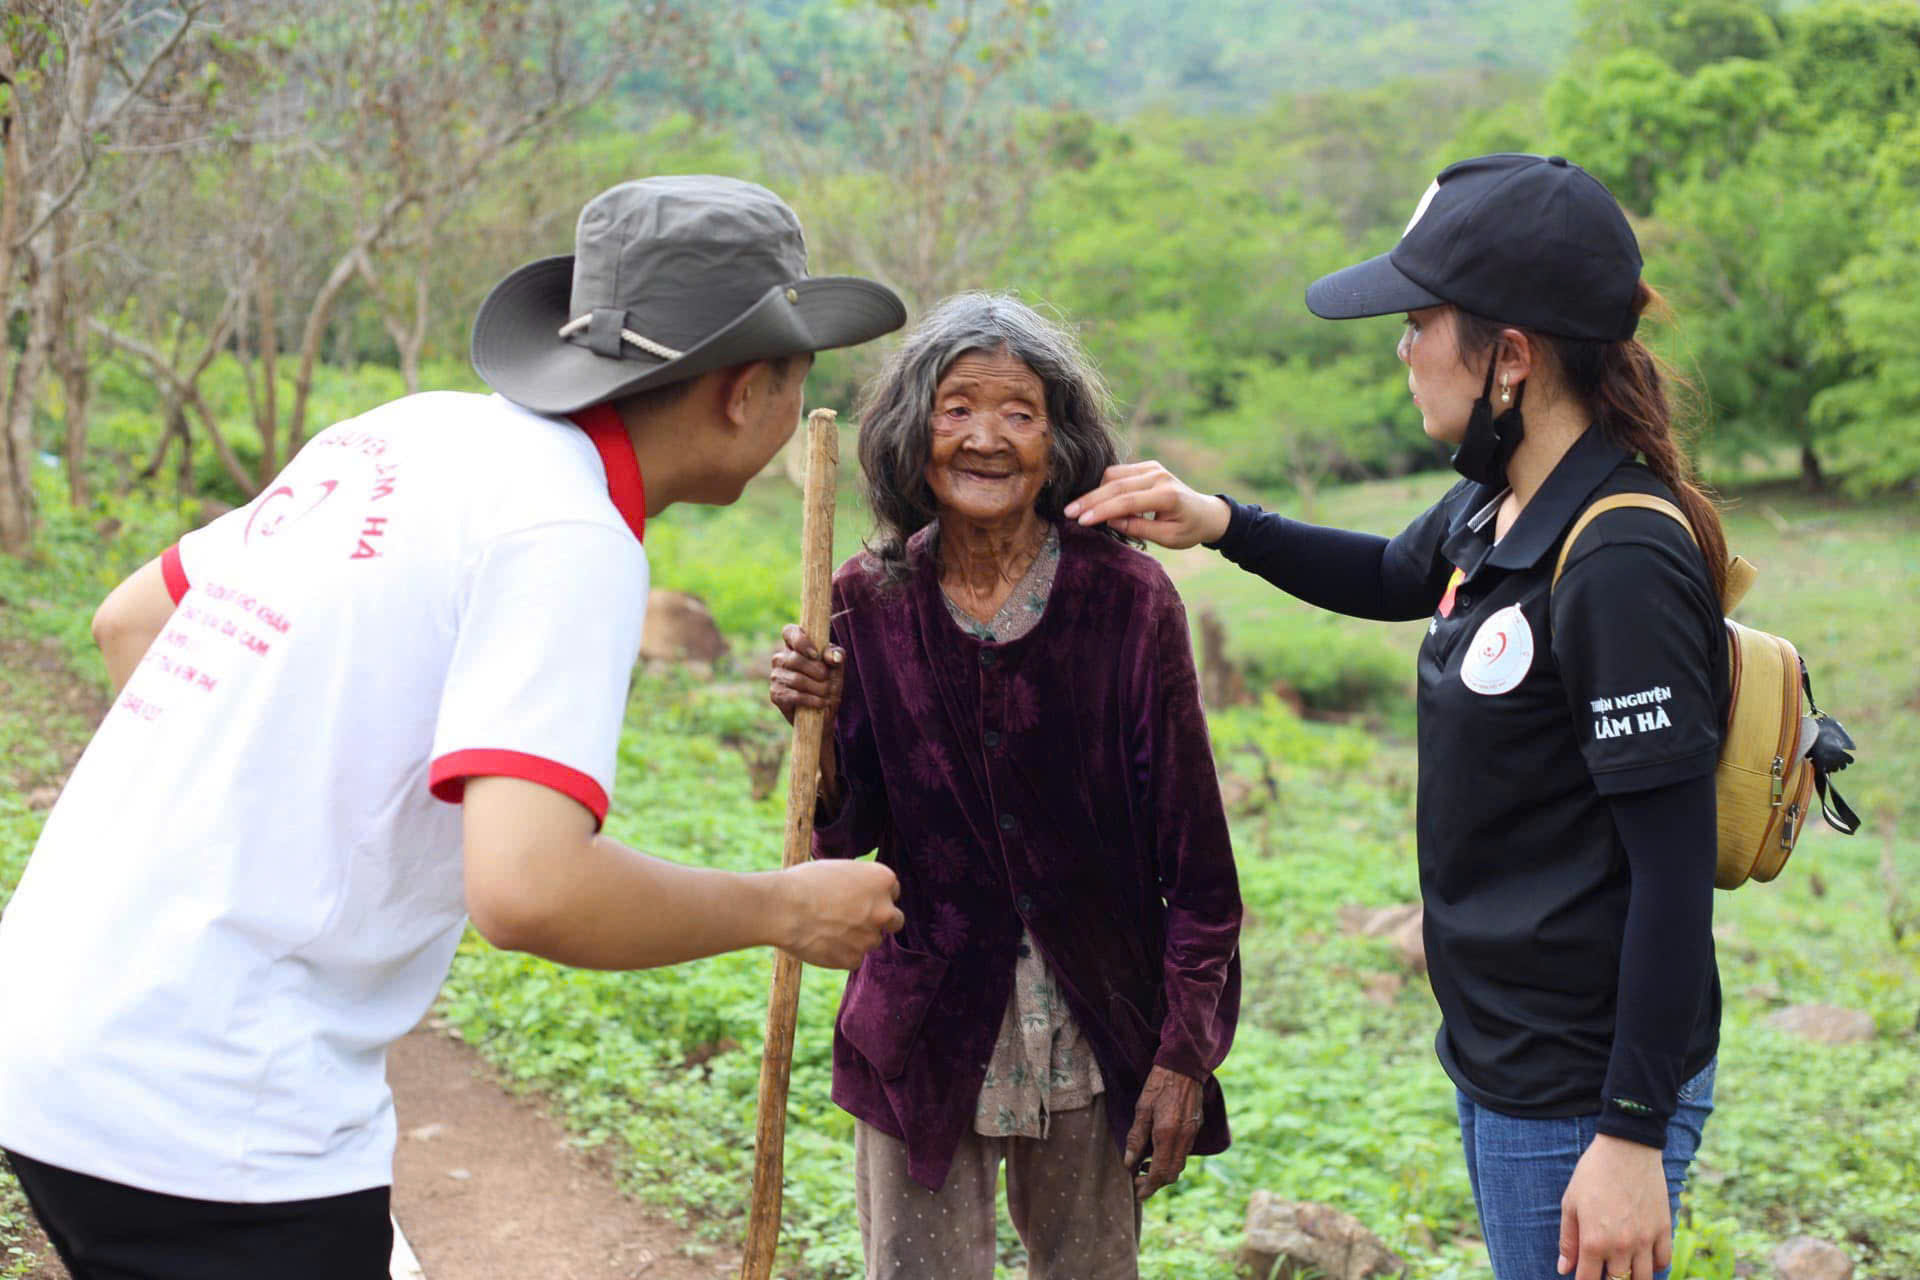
896,412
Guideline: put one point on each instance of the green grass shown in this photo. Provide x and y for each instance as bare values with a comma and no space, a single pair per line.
1334,1095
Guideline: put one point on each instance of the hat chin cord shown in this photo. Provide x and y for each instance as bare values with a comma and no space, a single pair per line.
648,345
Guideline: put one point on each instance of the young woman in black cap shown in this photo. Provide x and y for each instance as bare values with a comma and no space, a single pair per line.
1567,734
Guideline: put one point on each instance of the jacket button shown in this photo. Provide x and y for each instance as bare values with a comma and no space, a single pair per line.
1006,822
992,738
1023,904
987,658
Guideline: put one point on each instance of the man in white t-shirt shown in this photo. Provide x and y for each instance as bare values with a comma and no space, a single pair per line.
383,697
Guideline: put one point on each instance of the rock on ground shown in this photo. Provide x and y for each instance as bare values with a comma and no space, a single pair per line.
1377,922
680,628
1824,1023
1403,926
1290,1240
1805,1258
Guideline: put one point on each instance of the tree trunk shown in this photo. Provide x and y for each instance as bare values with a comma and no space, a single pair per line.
1812,479
17,507
79,386
183,389
412,340
267,418
16,473
183,482
318,316
69,354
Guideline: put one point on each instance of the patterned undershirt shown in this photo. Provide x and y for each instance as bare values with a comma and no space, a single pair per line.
1041,1062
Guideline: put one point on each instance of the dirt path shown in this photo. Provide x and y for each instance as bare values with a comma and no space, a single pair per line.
486,1186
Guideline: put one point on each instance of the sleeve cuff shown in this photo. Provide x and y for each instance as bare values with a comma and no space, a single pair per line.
174,572
1178,1059
1645,777
448,778
1239,516
1645,1128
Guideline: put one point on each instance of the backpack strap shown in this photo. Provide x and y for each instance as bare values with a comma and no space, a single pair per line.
1644,501
1740,570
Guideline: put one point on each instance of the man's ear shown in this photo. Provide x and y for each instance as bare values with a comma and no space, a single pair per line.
741,387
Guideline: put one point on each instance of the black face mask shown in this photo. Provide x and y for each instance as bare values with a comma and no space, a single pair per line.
1489,442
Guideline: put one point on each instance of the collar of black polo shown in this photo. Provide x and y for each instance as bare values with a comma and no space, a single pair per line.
1560,498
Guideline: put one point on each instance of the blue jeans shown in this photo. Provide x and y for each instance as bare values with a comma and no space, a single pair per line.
1520,1168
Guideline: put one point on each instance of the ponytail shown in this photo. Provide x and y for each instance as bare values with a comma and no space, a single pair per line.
1624,386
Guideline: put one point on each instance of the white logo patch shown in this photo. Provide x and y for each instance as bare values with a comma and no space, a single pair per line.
1501,653
1426,198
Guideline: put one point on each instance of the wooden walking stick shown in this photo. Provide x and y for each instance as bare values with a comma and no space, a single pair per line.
803,780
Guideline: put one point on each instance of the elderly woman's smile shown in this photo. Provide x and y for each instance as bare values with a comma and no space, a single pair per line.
1008,690
990,439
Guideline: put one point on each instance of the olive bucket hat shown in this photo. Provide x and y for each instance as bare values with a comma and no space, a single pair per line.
669,278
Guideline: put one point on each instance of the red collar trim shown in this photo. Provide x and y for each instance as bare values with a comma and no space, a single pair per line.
624,485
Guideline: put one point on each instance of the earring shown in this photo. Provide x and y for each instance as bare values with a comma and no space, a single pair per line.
1506,389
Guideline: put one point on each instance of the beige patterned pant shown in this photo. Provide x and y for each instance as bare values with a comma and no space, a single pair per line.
1070,1197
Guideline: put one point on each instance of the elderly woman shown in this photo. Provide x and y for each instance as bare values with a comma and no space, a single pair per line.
1017,729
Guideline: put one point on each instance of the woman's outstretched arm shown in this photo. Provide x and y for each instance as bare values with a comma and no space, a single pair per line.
1360,574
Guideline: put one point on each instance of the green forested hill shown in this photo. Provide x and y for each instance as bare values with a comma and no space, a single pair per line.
1116,57
1231,55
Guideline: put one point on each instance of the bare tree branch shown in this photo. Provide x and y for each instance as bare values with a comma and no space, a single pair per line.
186,386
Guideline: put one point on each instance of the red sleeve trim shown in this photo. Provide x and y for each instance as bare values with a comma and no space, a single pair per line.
174,572
448,777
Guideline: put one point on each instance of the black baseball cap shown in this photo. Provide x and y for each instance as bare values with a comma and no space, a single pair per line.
1532,241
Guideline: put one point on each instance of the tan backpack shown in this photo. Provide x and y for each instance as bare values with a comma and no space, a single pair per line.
1776,754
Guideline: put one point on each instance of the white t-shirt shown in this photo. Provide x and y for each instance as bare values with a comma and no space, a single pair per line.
251,884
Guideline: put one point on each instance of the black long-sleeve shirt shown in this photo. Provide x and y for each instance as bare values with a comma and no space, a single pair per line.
1650,1018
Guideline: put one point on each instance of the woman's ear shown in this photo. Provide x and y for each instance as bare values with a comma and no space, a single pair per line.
1513,357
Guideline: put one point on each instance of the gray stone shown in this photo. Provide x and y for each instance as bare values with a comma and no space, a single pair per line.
680,628
1403,926
1383,988
1824,1023
1805,1258
1410,941
1291,1240
1377,922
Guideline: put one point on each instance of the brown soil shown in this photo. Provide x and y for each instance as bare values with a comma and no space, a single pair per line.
486,1184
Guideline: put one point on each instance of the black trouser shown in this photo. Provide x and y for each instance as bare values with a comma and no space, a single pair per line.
106,1231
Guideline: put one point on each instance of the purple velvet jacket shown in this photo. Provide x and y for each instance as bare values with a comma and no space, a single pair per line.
1063,780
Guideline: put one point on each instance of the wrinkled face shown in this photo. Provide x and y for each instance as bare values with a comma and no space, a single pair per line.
990,439
1443,387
